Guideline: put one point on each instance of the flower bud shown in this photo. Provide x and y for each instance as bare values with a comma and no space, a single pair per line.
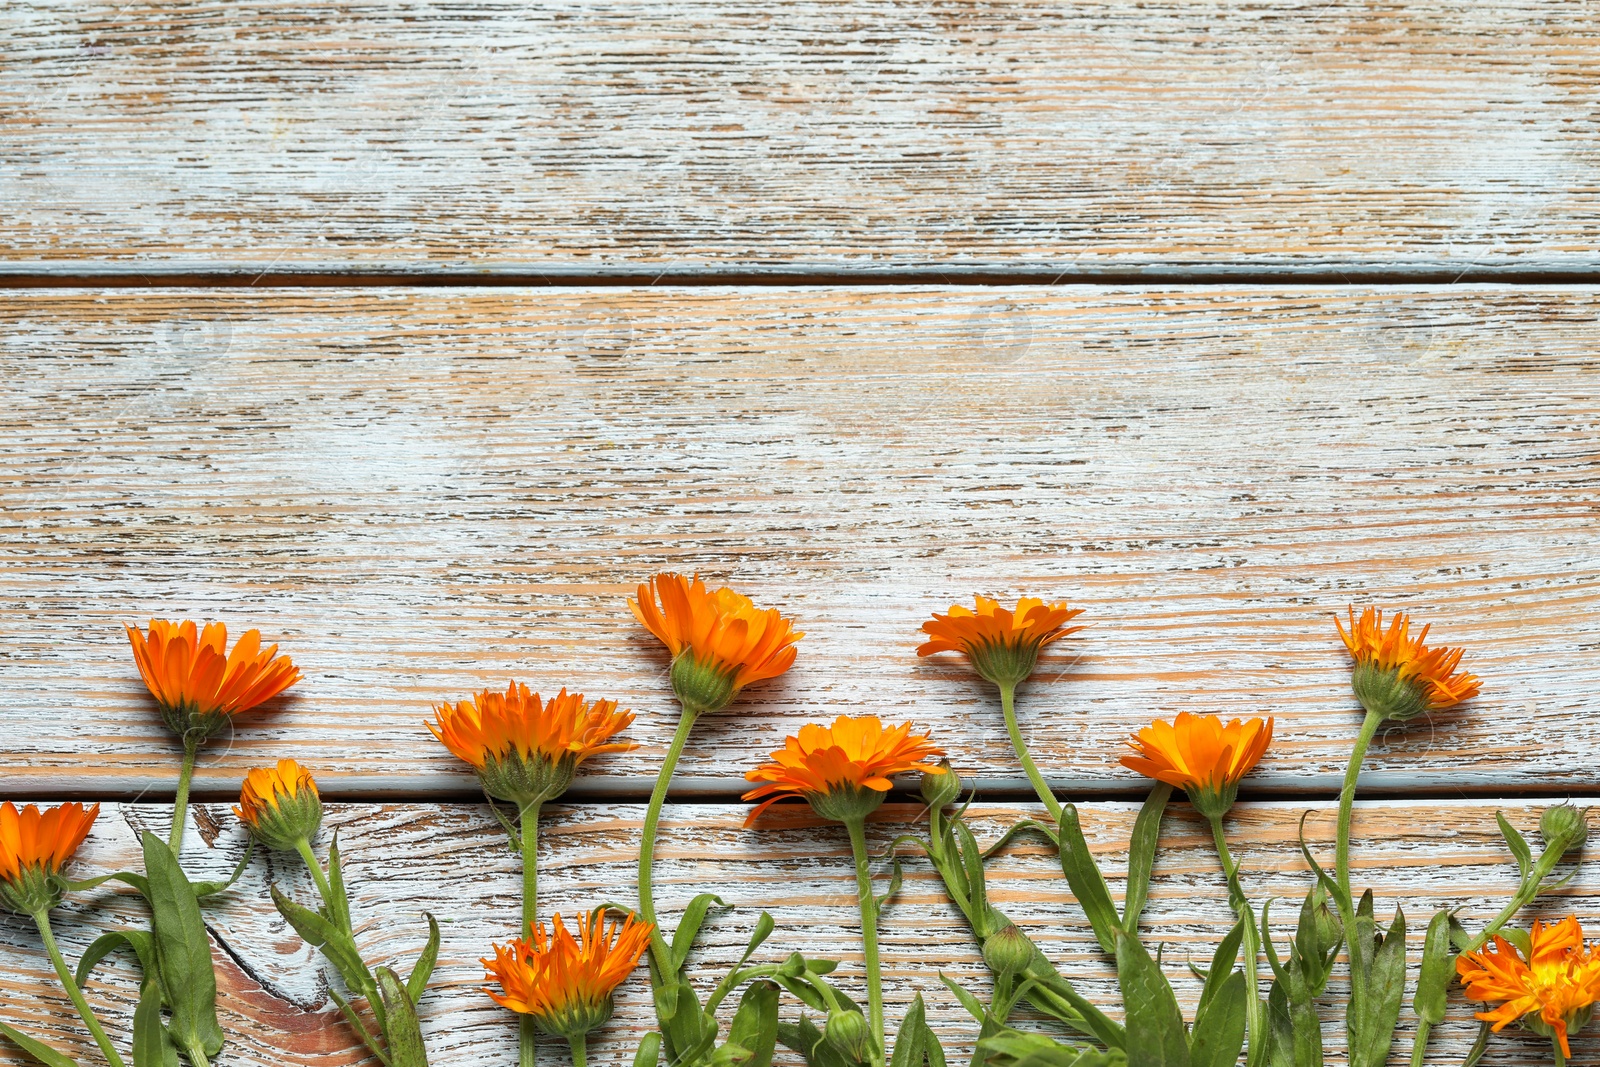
701,687
1328,931
941,787
280,805
1008,950
1564,827
848,1034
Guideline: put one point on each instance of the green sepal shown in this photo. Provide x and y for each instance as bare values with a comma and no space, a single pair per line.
37,1049
1156,1035
141,941
1087,883
318,931
182,951
422,970
755,1024
152,1045
1142,854
402,1032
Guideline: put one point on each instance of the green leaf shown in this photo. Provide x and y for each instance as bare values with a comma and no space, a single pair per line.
38,1050
1520,939
152,1045
1433,981
1475,1053
689,927
894,884
973,1005
339,906
1280,1026
755,1024
417,982
1218,1035
764,928
1142,854
182,951
930,1045
140,941
207,889
684,1029
1156,1036
1014,1048
401,1030
909,1050
320,933
1222,962
1516,843
1087,883
649,1054
977,891
1019,828
1385,993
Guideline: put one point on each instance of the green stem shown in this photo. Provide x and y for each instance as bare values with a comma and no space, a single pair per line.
1419,1044
1347,796
197,1056
324,890
580,1050
1560,1060
334,911
869,930
647,842
527,1032
1524,896
1254,1011
1008,707
70,984
180,804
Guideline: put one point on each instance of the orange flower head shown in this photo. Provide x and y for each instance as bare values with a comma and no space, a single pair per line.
280,805
198,683
34,847
1198,754
524,749
1396,675
566,983
1551,993
842,770
720,641
1002,644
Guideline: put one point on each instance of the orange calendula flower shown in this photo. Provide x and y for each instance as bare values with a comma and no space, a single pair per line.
720,641
1198,754
1397,676
199,684
1552,992
842,770
525,749
34,846
564,982
280,805
1003,644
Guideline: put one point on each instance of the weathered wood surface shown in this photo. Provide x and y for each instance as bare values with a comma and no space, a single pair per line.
422,492
451,860
1166,137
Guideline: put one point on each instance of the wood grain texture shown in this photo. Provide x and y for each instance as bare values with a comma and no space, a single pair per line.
422,492
451,860
1166,137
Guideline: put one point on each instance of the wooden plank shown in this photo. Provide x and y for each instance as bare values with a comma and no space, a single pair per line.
451,860
1169,137
421,492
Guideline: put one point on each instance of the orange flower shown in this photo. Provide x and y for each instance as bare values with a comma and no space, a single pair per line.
1002,644
523,747
1396,675
34,847
198,682
720,641
842,770
1552,994
1200,755
566,983
280,805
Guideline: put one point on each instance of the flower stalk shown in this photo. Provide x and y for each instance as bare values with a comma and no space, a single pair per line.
867,902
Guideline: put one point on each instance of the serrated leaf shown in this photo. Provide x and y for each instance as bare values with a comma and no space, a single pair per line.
1086,881
417,981
182,951
755,1024
1142,854
1156,1035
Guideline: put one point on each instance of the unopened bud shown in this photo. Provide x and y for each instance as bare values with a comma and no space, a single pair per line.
1564,827
1328,930
941,787
847,1034
1008,950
